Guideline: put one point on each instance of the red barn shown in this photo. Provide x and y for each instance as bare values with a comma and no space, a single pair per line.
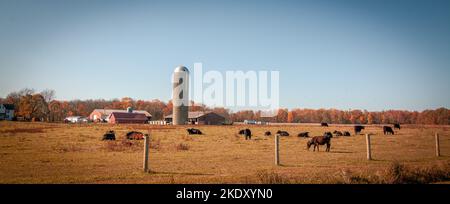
117,118
102,115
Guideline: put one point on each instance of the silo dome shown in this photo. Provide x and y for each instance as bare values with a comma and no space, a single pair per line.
181,69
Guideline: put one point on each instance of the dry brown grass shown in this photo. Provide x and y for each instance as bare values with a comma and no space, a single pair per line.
66,153
123,145
397,173
269,177
182,147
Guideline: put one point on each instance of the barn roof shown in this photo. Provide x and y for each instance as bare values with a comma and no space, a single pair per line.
193,114
128,116
107,112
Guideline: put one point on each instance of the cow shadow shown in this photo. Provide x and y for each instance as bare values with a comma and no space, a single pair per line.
178,173
290,165
341,152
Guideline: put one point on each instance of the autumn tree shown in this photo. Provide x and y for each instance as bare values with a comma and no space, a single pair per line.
33,107
168,109
55,111
290,117
282,115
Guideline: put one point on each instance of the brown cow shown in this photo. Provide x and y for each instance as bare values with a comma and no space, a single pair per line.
133,135
319,140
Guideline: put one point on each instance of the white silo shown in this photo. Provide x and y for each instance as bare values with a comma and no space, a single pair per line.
180,95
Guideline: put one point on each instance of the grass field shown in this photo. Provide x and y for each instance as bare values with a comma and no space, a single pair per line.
74,153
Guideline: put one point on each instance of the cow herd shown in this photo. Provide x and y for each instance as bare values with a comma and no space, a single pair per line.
325,139
133,135
315,141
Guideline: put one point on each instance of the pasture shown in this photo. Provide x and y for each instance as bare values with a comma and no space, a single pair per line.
74,153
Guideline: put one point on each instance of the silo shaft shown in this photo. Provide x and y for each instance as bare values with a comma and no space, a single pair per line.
180,95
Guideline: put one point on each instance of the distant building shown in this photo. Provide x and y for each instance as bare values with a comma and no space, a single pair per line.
127,117
254,122
102,115
250,122
201,118
6,111
76,119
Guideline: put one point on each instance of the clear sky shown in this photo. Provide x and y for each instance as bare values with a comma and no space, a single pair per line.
373,55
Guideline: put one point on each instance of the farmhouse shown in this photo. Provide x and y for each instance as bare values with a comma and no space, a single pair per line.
201,118
6,111
102,115
127,117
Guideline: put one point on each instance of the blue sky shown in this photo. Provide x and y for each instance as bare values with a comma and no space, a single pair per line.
373,55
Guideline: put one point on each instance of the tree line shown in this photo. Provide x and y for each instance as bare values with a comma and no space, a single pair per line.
42,106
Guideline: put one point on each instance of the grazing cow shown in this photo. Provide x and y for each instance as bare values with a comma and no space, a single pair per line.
324,124
346,133
358,129
193,131
247,133
319,140
397,126
133,135
267,133
109,135
303,134
388,130
337,133
282,133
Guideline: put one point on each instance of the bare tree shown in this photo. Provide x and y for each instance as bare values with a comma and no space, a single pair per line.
48,94
26,91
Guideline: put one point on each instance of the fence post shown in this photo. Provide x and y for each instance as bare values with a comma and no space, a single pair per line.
369,153
438,152
146,151
277,149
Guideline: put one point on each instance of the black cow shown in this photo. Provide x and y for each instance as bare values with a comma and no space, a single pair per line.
247,133
397,126
303,134
388,130
282,133
358,129
267,133
193,131
109,135
337,133
324,124
346,133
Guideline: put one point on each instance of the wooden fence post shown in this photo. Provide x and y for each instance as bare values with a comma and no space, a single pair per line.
277,149
369,153
146,151
438,152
